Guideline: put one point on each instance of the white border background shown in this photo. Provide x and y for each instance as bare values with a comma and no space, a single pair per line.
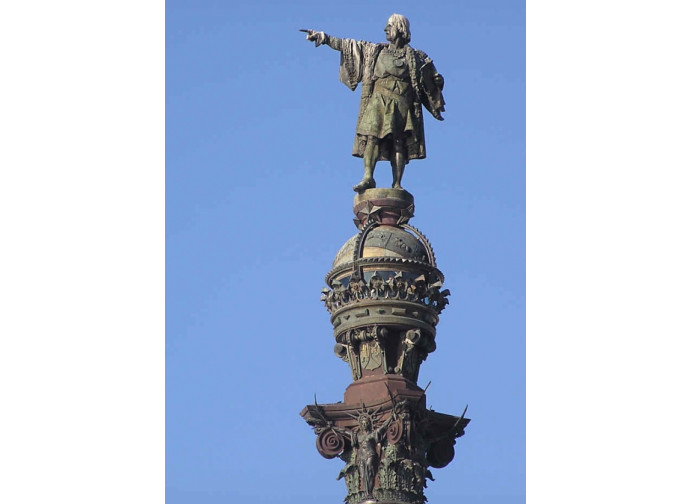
608,135
82,190
82,288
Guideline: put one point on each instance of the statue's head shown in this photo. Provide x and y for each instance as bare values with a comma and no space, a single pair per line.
365,422
398,26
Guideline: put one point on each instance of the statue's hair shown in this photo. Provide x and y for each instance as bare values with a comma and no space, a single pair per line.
401,25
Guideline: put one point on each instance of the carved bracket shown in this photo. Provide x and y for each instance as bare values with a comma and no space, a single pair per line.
387,450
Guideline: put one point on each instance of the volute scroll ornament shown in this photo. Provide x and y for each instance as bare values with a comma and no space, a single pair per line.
330,443
395,431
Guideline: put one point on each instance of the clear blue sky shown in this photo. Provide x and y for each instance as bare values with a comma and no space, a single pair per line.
258,200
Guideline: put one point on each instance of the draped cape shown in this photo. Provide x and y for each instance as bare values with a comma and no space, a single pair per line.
357,62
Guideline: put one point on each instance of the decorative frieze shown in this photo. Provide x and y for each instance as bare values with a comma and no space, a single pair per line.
390,285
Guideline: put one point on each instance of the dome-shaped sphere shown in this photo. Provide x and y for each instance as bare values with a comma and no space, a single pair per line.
385,287
384,295
387,251
384,241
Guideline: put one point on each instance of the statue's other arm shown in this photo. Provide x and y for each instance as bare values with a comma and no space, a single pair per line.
382,429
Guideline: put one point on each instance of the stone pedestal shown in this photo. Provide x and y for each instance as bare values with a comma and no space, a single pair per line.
385,295
387,206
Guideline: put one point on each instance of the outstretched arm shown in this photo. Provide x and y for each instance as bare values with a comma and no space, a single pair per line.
343,432
382,429
351,55
319,38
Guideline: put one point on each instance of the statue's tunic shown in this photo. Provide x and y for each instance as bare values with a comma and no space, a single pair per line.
395,84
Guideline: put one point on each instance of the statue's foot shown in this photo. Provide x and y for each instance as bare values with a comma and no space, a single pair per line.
366,183
397,186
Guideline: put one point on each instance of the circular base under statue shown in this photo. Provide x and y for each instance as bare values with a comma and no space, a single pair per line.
385,205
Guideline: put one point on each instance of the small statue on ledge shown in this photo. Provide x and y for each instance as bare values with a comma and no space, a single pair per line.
396,81
365,439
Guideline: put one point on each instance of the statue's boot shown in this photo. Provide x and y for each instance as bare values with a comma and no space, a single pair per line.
370,154
366,183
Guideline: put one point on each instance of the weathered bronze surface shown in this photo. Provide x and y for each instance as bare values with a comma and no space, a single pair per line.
396,81
385,292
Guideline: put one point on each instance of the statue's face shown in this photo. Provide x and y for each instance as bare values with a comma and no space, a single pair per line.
390,32
365,424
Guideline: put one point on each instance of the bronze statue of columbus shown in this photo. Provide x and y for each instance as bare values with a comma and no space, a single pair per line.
396,81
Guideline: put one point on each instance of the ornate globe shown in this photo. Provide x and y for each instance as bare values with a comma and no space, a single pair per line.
384,291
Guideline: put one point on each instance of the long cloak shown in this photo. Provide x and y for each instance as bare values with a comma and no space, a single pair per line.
357,62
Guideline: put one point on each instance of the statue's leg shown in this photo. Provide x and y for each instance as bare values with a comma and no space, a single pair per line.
371,154
369,476
398,162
